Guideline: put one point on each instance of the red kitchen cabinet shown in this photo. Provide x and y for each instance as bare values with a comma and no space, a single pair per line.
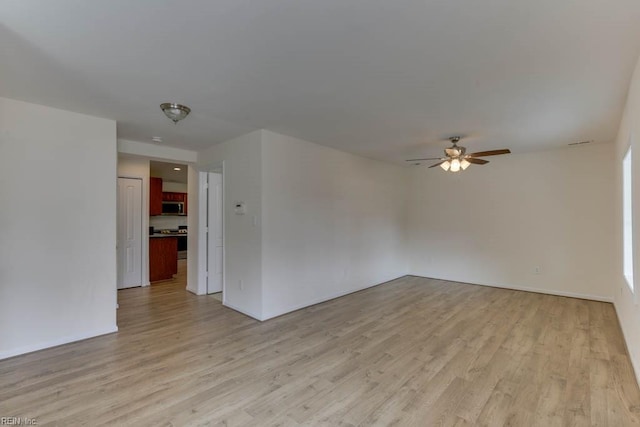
155,196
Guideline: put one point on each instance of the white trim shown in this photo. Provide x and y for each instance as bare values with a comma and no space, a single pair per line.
224,231
144,231
194,291
327,298
203,193
636,369
57,342
245,312
201,286
526,289
627,219
516,288
145,227
157,152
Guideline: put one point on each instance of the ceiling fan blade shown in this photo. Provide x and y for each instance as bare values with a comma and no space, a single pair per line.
437,164
421,160
490,153
477,161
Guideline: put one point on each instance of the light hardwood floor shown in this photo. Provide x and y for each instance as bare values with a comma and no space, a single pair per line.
412,352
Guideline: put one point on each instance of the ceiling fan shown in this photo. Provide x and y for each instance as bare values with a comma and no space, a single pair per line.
456,159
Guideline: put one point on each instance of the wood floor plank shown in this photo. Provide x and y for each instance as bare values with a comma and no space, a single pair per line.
409,352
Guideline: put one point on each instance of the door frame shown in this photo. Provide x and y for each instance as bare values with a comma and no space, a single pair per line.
202,228
143,277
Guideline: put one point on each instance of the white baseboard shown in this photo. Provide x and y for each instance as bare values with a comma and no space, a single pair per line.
636,369
54,343
527,289
245,312
325,299
193,291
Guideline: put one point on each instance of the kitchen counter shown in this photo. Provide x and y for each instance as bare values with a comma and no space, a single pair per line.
163,235
180,238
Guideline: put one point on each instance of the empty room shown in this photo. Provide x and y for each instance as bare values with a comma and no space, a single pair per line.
319,213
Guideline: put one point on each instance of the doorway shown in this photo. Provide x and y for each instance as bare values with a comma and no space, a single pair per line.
168,222
212,224
129,232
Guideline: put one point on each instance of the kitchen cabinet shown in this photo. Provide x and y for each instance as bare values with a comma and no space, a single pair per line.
168,196
155,196
163,257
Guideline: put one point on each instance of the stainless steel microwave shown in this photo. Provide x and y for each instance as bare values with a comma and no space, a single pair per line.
173,208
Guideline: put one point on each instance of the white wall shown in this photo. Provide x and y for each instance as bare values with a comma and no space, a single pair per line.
495,224
160,222
58,244
174,187
625,301
156,151
138,167
243,236
320,222
333,223
194,257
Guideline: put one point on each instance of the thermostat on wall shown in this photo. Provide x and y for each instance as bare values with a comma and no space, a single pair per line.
240,208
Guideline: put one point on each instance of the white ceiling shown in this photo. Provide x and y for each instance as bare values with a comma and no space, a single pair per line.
385,79
166,171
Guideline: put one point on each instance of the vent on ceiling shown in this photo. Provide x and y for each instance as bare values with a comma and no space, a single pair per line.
582,142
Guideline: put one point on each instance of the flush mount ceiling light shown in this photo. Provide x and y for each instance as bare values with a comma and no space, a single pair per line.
175,112
177,169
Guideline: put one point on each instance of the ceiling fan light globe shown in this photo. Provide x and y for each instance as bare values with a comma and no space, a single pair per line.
445,165
455,165
464,164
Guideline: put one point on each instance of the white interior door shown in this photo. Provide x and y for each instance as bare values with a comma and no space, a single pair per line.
129,233
215,240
